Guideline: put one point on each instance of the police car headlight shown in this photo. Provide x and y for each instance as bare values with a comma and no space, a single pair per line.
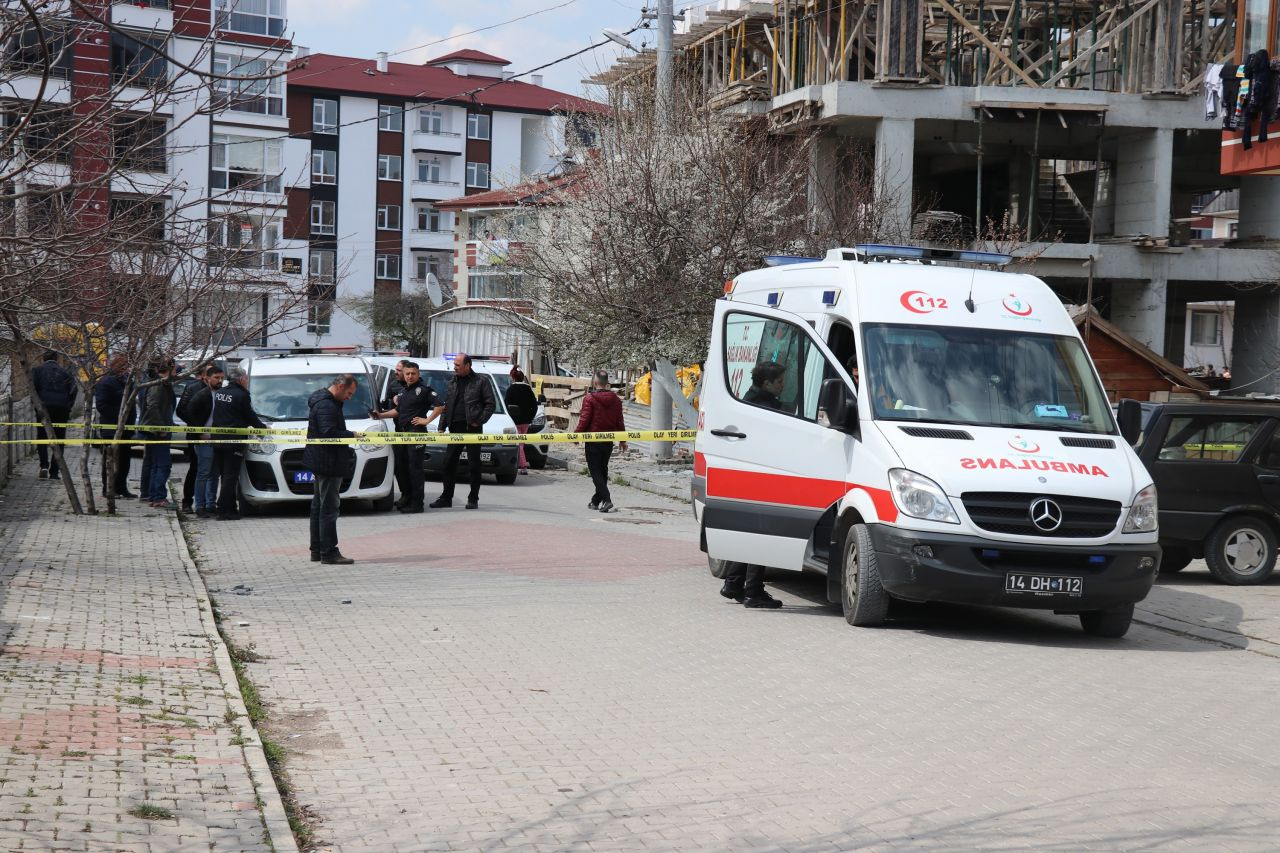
369,447
919,497
510,431
262,448
539,421
1144,515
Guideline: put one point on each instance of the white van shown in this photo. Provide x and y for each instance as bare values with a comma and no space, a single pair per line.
279,384
975,459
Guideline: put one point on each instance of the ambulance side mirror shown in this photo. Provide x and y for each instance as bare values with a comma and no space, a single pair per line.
835,409
1129,416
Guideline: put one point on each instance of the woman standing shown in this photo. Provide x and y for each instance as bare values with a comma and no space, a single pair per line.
522,405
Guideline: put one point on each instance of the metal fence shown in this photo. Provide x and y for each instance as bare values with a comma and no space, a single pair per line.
16,410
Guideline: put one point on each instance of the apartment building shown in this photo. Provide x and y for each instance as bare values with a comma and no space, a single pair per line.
215,146
386,142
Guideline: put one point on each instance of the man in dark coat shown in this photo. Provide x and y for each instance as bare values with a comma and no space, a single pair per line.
57,390
158,412
601,412
469,402
329,463
108,397
232,407
414,408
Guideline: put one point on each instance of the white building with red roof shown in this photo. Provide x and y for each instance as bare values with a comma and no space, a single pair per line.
385,142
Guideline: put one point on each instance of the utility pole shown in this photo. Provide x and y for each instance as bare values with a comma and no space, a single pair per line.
659,397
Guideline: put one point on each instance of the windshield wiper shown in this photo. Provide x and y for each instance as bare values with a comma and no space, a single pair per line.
1054,427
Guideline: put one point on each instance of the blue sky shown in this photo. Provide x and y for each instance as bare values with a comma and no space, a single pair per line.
364,27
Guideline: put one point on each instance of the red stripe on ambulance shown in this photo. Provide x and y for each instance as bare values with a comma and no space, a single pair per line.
790,490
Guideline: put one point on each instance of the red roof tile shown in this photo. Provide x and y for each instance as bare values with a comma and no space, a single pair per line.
468,55
429,83
526,193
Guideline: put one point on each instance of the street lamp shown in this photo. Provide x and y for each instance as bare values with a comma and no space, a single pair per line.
618,38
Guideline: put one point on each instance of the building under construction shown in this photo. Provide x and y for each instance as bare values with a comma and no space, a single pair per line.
1086,121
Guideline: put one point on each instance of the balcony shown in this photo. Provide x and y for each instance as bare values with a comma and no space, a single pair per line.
438,143
245,259
439,241
433,190
153,16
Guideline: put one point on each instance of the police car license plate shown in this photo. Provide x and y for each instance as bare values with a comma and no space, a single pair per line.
1043,584
485,456
304,477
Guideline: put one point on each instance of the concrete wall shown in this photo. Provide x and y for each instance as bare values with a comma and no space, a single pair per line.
357,183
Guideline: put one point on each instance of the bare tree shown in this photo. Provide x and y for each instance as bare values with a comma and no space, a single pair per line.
400,320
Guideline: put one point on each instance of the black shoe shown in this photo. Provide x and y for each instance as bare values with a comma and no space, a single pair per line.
407,510
440,503
401,504
44,474
606,506
186,507
204,513
55,476
126,494
763,600
473,503
228,516
335,558
315,556
731,591
593,506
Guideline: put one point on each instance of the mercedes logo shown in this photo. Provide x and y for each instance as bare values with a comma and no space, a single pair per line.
1045,514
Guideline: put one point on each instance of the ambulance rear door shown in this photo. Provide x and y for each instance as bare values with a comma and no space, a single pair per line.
772,470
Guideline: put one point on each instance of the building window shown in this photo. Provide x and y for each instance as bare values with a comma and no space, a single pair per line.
478,175
247,241
322,264
430,121
477,126
477,227
430,219
245,163
324,116
324,167
259,17
428,265
137,221
387,267
389,217
248,85
139,142
389,167
229,319
48,135
490,285
138,61
390,118
1233,230
323,217
429,170
25,50
1206,328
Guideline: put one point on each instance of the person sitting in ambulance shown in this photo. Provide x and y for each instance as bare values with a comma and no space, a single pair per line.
767,382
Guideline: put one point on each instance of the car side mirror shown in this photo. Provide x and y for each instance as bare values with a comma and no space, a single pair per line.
1129,417
835,409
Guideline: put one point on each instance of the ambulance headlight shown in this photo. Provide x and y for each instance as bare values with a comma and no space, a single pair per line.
919,497
1144,515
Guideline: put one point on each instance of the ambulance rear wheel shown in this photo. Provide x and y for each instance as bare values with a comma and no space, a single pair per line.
862,597
1112,622
719,568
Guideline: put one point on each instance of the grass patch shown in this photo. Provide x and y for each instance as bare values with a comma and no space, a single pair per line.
137,679
136,701
148,811
74,753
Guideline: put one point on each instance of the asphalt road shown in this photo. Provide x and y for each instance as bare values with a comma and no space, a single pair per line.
534,674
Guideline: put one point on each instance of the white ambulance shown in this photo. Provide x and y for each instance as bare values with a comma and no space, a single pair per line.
919,426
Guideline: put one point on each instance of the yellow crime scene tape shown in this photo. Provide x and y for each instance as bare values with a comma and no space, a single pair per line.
298,436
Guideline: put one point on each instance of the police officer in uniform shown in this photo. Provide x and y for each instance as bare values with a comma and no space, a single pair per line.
232,407
415,402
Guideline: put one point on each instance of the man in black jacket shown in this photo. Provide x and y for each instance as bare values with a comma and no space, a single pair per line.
108,397
196,409
232,407
414,408
57,390
157,411
330,463
468,404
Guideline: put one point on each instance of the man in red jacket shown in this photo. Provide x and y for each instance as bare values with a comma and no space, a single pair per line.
601,412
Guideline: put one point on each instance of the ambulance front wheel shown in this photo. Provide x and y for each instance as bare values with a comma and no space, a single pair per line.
863,599
719,568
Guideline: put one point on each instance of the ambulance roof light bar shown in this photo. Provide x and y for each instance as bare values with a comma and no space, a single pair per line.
866,252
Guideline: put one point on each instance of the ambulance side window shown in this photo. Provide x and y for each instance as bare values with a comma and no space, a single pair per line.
773,364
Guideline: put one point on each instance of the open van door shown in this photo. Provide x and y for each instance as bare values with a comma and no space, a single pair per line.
772,466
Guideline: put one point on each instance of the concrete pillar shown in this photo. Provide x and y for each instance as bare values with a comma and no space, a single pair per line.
1144,180
895,171
1255,349
1259,207
1138,308
824,178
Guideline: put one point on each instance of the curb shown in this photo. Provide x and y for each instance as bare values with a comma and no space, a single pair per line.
279,835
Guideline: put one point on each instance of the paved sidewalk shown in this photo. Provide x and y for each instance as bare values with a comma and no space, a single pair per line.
117,692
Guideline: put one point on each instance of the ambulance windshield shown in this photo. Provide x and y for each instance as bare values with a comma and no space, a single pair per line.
982,377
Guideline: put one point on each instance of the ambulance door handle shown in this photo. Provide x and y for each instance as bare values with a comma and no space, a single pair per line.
728,433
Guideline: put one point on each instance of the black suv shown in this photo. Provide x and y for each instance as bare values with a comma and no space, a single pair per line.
1216,467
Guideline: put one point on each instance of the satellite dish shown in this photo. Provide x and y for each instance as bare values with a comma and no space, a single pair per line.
433,290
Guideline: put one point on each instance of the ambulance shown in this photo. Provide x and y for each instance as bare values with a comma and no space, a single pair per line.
920,425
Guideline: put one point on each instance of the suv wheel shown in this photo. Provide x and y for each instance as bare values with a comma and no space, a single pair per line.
863,599
1241,551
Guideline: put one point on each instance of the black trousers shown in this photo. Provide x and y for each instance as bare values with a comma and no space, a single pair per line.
57,415
120,484
409,462
451,466
747,577
598,453
193,468
227,459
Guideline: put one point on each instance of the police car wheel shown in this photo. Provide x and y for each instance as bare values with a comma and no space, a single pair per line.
1112,622
862,597
719,568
